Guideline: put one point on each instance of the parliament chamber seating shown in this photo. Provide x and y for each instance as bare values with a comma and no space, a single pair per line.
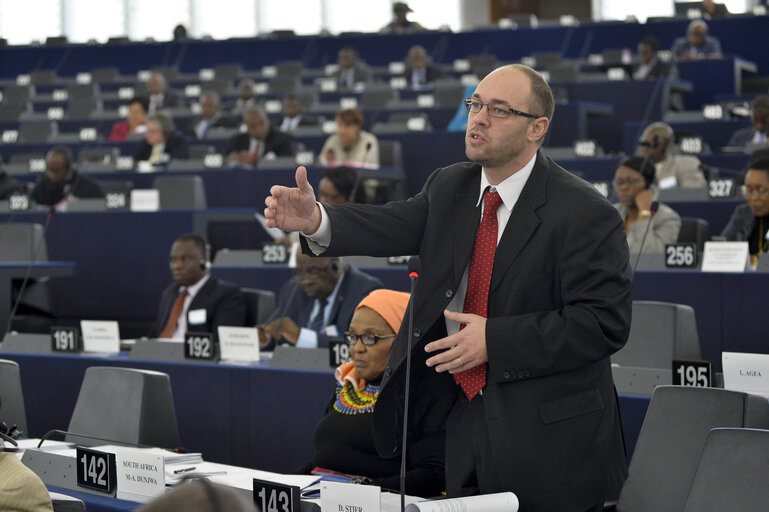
121,256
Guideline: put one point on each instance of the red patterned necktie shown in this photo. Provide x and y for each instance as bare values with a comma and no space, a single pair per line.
173,316
478,283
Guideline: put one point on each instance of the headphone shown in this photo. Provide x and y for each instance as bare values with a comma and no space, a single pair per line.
8,439
335,266
205,264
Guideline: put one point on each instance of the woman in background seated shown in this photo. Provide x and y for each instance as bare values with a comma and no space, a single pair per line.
750,221
632,182
350,144
134,123
344,438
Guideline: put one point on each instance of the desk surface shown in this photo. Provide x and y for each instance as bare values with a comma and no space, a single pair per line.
250,416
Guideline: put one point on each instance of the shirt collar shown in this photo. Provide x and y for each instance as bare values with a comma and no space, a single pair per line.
510,189
195,288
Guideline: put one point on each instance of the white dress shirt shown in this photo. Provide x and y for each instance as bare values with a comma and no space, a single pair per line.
193,290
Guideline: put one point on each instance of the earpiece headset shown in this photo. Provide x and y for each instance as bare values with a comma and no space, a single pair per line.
205,264
335,266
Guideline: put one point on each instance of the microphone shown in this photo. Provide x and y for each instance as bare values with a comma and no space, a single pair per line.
415,265
653,209
56,431
29,268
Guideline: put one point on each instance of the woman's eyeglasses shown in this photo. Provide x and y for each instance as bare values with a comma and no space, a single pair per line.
367,339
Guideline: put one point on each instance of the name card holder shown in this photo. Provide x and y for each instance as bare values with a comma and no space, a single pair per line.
341,497
66,340
275,497
100,336
721,188
199,346
693,373
96,470
18,202
681,256
338,352
238,344
275,254
726,257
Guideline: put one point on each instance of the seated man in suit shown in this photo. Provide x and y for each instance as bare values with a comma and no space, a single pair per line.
9,186
196,301
759,117
419,70
650,66
697,44
261,140
160,97
161,142
682,171
352,74
317,304
61,181
293,116
211,116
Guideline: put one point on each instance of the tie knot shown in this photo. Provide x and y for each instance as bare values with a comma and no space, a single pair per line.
492,201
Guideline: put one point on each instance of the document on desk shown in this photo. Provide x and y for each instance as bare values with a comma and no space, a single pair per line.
243,478
500,502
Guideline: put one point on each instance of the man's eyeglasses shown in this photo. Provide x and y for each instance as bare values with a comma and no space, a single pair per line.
367,339
629,182
748,191
495,109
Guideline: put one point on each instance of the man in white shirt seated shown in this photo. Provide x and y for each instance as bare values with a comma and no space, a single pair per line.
293,115
318,303
196,301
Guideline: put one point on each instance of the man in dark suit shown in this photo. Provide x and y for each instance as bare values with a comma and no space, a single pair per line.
317,304
261,140
211,116
650,66
419,70
352,74
542,310
293,115
160,97
196,301
759,118
61,181
162,143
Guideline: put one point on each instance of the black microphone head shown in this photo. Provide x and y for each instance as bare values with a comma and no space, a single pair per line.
654,206
415,266
655,141
368,146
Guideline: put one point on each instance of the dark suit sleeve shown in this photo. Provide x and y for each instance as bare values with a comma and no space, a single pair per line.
229,310
594,283
143,151
740,224
424,468
177,147
237,143
86,188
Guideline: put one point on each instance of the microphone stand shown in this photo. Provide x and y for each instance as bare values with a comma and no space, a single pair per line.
414,267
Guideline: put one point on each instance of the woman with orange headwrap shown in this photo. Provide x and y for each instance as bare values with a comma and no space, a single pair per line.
344,438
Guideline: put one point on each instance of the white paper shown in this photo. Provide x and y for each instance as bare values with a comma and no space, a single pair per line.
140,473
726,257
275,233
145,200
500,502
100,336
668,182
744,372
239,344
350,497
196,317
243,478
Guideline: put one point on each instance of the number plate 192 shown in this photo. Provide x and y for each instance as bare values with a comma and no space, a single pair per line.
199,346
338,352
96,470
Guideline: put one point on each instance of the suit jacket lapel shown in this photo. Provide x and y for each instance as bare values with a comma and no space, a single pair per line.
523,221
467,216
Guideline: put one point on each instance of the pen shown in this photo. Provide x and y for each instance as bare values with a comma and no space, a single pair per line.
184,470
